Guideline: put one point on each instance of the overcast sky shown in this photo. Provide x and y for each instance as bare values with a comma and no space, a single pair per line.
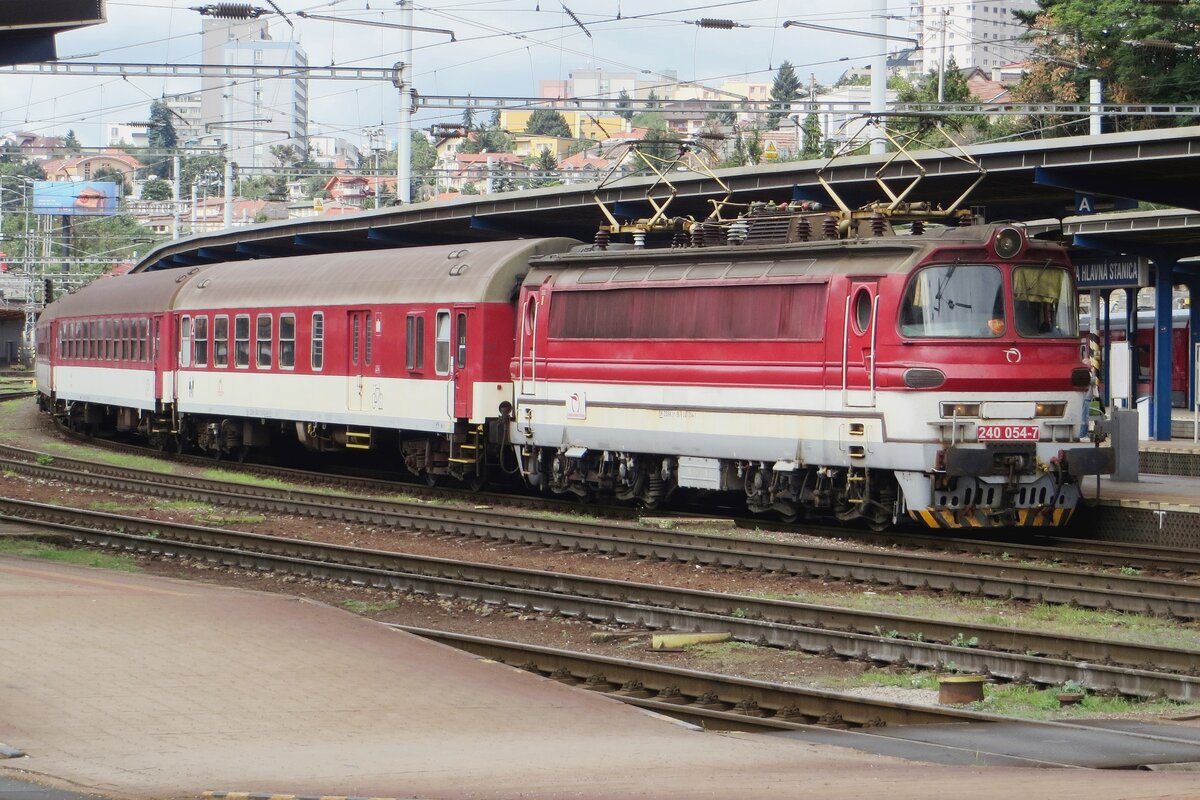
503,47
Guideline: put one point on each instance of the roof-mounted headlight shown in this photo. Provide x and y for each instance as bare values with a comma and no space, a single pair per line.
1009,243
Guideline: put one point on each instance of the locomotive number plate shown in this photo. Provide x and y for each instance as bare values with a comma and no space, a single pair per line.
1018,433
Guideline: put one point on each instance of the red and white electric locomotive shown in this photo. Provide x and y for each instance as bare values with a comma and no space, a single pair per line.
815,362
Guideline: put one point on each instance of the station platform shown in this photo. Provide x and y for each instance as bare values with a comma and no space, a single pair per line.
130,686
1161,507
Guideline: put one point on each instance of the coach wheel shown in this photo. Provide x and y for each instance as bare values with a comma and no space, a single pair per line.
240,454
477,483
178,444
432,479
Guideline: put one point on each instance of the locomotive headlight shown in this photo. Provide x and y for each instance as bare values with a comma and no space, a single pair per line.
1050,409
1008,243
960,410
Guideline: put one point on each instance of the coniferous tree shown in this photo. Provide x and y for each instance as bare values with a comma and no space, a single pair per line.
783,92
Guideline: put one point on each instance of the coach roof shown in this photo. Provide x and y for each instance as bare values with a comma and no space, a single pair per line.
133,293
482,272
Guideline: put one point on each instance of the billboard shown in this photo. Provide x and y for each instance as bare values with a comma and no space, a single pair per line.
76,198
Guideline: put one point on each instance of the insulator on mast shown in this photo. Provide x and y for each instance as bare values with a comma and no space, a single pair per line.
230,10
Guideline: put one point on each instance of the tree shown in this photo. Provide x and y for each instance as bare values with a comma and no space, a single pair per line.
548,122
812,136
468,119
156,189
1079,40
117,237
162,138
783,92
207,172
71,143
112,175
623,110
545,170
422,157
954,90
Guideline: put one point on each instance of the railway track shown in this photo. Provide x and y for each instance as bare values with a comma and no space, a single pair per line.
1010,546
721,702
948,573
765,622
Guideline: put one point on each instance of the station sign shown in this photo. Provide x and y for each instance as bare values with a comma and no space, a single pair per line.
1114,272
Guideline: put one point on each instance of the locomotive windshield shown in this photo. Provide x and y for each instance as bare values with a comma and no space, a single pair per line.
960,300
1044,302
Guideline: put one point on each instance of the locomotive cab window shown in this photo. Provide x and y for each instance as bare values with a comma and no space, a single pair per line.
287,341
263,341
441,352
221,341
1044,302
862,310
954,300
241,340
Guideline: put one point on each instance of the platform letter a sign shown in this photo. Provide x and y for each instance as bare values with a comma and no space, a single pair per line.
1085,204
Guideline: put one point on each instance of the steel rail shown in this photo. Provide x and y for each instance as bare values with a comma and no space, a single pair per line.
765,622
765,702
943,573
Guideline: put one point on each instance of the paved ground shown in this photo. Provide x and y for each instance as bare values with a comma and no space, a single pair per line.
140,687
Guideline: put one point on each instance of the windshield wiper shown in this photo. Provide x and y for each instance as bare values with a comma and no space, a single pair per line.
937,296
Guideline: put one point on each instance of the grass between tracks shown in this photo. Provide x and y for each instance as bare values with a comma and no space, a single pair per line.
1056,619
107,456
31,548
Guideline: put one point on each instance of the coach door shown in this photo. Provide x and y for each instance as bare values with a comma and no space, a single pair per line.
858,343
358,357
464,377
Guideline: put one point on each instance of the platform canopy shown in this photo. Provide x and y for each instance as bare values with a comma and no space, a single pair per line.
1025,181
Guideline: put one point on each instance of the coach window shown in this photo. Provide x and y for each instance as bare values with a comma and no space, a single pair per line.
124,340
461,325
369,334
241,340
318,341
200,342
143,339
414,342
441,349
287,341
263,341
221,341
90,340
185,341
317,355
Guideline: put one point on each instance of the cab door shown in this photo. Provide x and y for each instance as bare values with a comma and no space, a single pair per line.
466,359
858,343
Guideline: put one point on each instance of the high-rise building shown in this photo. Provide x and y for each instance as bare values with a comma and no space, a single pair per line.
252,115
186,116
975,34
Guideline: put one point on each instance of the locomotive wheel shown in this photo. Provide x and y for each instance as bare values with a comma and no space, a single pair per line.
477,483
